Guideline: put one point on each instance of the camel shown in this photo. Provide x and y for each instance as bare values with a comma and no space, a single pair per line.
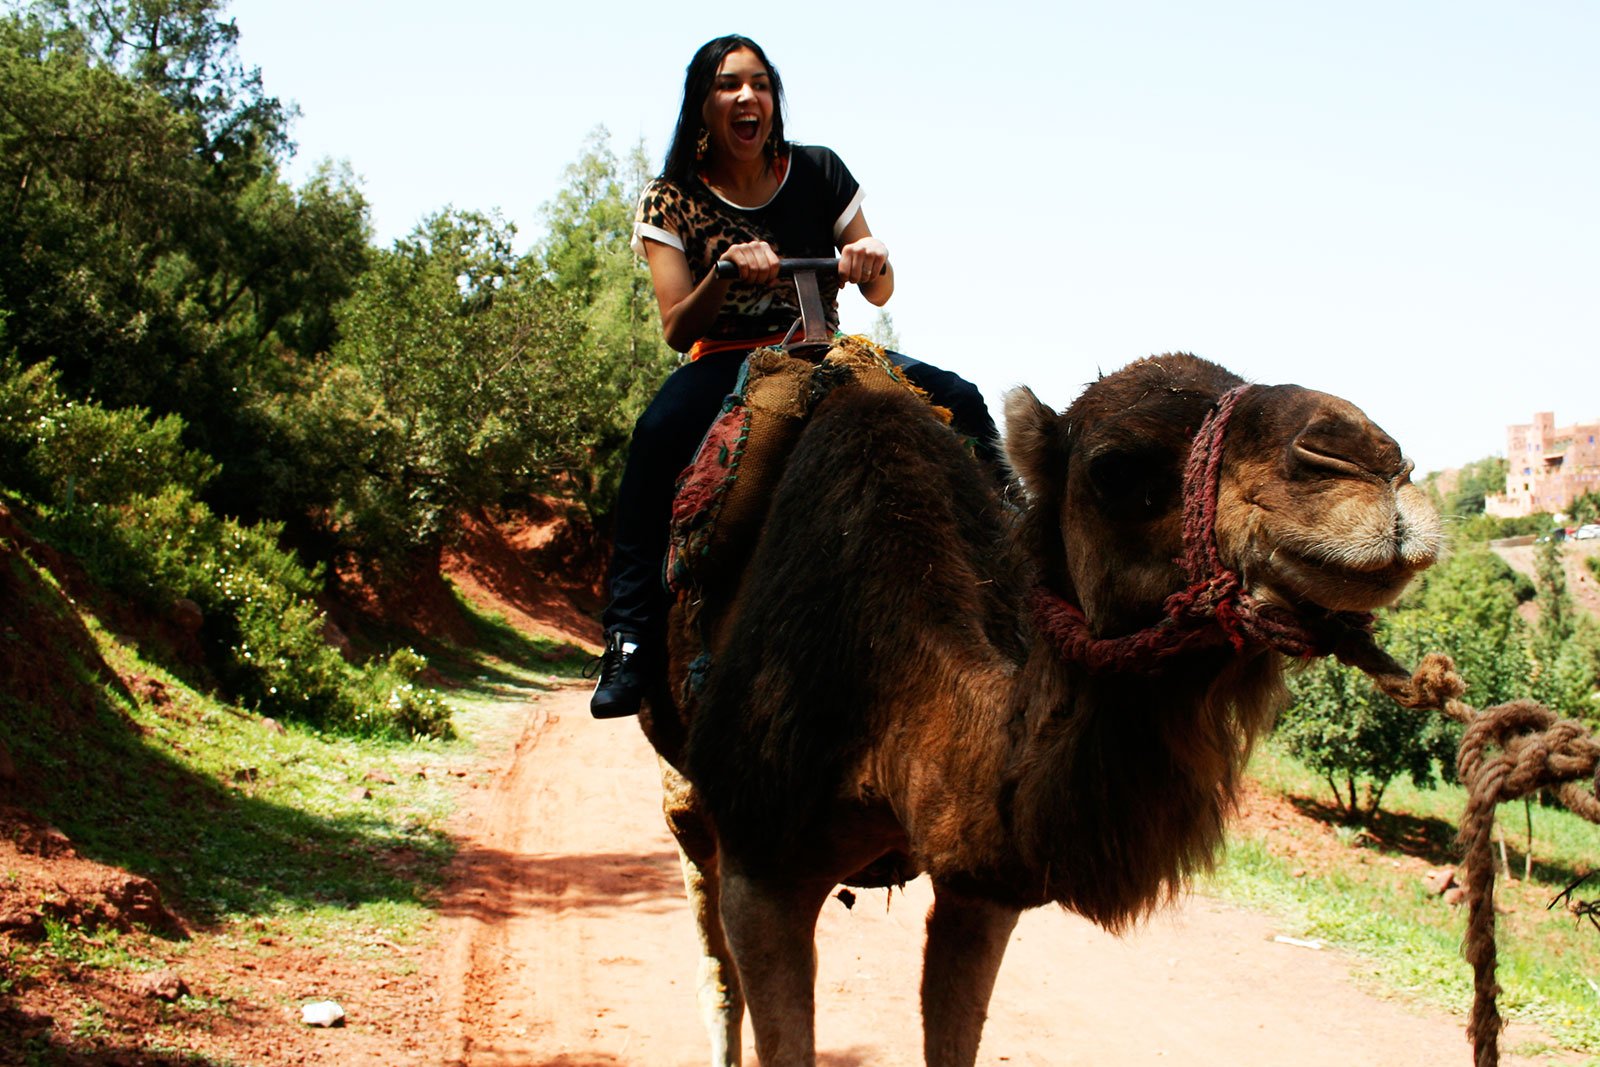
1044,703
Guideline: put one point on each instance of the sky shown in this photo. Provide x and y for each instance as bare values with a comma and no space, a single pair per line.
1392,200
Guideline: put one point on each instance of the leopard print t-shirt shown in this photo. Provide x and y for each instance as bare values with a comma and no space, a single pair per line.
815,201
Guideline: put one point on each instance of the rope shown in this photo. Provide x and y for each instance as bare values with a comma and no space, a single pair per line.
1508,751
1202,478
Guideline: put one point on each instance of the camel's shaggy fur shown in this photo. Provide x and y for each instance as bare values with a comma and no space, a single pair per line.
771,748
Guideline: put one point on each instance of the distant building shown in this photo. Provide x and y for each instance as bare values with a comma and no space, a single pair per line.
1547,466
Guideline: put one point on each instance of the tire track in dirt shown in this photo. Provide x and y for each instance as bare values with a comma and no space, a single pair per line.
567,943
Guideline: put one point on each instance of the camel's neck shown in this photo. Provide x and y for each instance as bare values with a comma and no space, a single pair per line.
1116,786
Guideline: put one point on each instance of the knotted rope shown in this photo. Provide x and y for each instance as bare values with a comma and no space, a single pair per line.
1509,751
1214,608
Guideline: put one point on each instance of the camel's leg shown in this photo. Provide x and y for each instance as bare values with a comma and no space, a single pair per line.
717,982
967,939
771,927
721,1000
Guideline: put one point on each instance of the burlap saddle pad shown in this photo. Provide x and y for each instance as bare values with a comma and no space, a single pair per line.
722,496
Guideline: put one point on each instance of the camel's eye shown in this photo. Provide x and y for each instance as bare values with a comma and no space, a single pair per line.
1133,483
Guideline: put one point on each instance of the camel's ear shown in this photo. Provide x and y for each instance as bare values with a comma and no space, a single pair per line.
1031,436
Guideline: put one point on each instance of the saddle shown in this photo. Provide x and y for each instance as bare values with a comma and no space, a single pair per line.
722,497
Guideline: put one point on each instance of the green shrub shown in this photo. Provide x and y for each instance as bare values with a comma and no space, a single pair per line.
28,395
72,453
118,492
1472,587
412,709
88,454
1478,529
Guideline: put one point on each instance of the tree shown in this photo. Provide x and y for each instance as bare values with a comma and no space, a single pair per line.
101,169
476,381
882,332
1556,620
1466,607
186,52
1351,732
1565,644
587,257
1478,480
1343,726
1586,508
152,252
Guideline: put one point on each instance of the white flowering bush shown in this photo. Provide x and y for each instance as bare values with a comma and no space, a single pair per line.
409,706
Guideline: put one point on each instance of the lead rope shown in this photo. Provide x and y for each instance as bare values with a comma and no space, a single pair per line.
1509,751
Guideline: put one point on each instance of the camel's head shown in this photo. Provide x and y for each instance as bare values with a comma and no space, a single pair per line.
1314,508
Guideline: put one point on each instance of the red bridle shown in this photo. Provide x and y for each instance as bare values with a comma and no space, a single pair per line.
1214,608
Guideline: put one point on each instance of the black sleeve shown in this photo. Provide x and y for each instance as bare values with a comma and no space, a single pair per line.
836,178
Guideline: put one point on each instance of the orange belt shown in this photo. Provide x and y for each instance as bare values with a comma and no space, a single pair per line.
705,346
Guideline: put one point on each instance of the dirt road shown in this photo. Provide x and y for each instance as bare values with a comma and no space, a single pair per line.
1581,582
568,943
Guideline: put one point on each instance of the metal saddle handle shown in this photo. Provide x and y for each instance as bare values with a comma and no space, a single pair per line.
816,332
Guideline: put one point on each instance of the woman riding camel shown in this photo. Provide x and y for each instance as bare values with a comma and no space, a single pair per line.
732,189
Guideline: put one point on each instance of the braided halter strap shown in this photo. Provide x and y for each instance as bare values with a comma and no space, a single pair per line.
1214,608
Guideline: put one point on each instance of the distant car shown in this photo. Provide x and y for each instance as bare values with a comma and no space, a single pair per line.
1587,532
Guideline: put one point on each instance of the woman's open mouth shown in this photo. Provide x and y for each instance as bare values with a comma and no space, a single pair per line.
747,128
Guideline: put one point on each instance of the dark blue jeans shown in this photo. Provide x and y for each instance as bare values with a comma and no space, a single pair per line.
664,441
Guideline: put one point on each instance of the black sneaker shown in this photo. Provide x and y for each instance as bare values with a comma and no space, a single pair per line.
622,678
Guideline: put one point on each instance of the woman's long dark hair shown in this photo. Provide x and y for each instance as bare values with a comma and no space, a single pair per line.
697,82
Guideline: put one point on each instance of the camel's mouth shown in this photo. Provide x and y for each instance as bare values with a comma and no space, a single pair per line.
1296,581
1352,545
1345,573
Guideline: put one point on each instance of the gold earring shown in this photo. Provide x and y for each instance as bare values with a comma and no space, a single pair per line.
703,145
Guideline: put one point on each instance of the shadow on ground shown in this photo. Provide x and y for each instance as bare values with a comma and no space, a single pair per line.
506,884
1430,839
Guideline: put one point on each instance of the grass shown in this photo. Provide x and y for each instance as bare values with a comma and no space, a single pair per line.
497,659
1365,894
96,949
1564,845
249,830
238,819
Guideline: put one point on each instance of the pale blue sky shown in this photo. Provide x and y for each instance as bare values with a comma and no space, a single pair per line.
1393,201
